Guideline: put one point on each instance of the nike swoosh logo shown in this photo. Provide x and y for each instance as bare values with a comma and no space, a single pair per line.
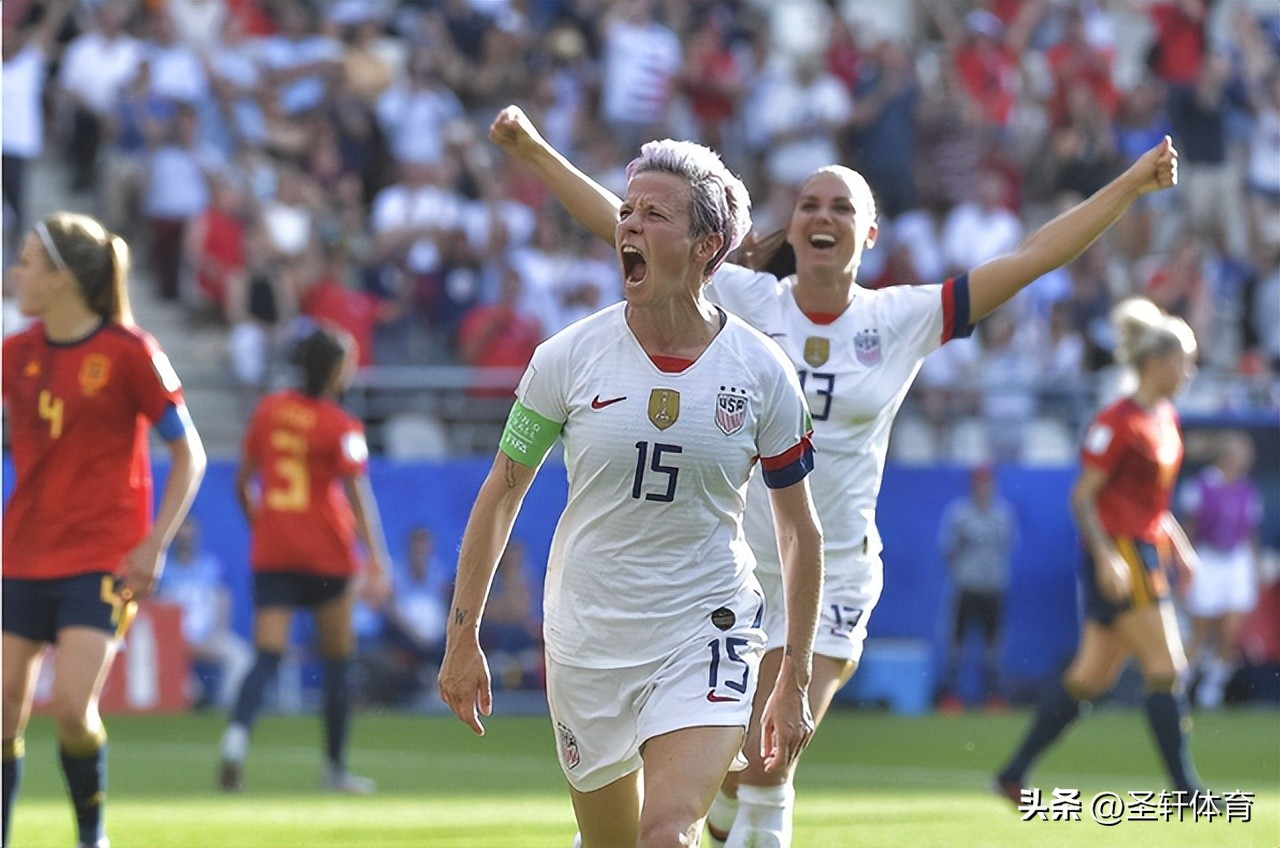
717,699
596,403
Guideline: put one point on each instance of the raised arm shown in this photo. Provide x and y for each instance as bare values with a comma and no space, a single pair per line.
464,674
1068,235
590,204
786,724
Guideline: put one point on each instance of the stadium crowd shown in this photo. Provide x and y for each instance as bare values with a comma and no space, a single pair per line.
279,158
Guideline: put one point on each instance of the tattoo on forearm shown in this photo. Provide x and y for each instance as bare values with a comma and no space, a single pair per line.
460,617
509,468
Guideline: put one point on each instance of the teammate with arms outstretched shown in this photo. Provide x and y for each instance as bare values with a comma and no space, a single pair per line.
665,404
312,501
82,386
1130,458
857,352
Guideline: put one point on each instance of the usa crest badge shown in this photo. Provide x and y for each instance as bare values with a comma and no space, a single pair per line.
569,753
731,410
866,346
817,350
664,407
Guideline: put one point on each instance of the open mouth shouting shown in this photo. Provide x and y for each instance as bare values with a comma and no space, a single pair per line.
635,268
822,242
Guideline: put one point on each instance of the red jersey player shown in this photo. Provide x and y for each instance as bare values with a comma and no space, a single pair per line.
82,387
311,502
1121,501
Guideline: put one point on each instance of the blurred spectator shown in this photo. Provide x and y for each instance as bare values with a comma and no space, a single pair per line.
985,57
884,120
1222,509
287,215
416,114
1178,49
1208,180
1078,64
1263,169
94,70
138,125
322,279
511,633
261,304
1006,373
365,70
177,72
1140,123
300,64
712,76
500,335
27,46
977,538
1264,310
639,68
215,243
193,579
1084,149
1062,351
236,79
175,190
417,610
1178,285
803,113
981,228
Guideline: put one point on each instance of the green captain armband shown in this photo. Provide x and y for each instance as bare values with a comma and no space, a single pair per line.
528,436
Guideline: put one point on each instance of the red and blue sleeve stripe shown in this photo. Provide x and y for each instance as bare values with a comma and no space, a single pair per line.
955,309
789,467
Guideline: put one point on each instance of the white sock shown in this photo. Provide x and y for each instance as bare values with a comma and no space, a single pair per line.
764,817
724,808
235,743
1213,683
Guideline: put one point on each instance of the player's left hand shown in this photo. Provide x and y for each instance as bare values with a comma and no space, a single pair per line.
786,726
1157,168
375,588
140,571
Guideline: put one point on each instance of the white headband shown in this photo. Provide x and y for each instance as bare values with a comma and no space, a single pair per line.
49,247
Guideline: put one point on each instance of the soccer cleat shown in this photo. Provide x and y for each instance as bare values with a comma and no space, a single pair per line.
1010,789
343,781
230,776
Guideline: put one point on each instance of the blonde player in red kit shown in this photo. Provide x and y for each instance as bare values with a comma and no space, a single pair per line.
82,387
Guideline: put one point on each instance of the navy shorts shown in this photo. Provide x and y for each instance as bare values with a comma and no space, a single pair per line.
294,589
38,609
1146,577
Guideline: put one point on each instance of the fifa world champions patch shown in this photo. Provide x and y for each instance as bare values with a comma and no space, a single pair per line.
731,409
866,346
664,407
569,754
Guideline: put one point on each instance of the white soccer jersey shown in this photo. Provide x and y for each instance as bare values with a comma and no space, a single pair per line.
855,372
651,542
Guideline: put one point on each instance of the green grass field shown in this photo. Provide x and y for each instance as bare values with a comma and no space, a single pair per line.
871,779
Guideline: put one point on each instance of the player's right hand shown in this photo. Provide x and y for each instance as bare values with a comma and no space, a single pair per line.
1113,579
464,682
514,133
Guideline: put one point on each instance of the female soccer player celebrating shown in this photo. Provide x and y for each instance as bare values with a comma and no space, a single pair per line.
1130,459
857,352
309,457
665,404
80,547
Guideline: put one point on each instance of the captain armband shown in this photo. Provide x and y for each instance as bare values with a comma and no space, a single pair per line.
528,436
